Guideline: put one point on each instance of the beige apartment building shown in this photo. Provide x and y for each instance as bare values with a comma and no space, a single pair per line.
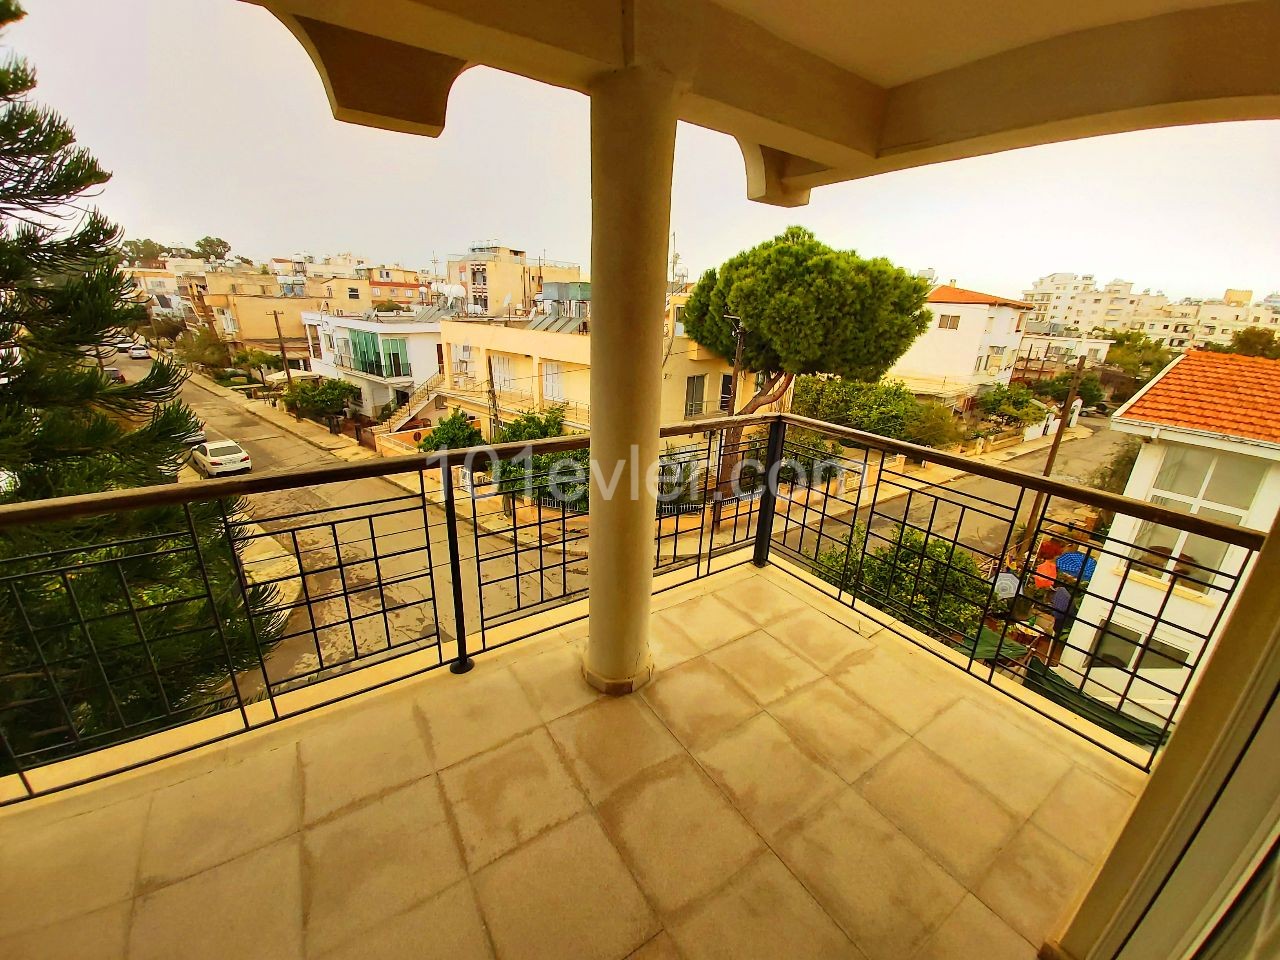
243,308
503,281
401,286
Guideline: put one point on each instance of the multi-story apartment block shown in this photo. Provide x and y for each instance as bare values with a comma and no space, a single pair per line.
1066,301
501,281
244,308
398,285
972,342
346,265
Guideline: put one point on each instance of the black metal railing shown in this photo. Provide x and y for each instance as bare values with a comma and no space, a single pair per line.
238,602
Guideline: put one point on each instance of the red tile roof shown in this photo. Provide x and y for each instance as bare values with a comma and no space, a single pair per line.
948,294
1215,392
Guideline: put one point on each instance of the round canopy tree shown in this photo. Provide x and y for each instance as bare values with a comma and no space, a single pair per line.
804,307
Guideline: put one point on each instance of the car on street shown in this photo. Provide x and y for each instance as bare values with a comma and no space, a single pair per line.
198,436
139,352
220,456
114,375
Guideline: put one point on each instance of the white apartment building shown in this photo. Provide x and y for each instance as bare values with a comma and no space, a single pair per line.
1068,300
1195,323
386,355
972,343
1210,424
1046,346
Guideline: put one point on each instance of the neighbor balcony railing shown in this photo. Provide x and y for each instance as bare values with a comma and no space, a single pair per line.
138,624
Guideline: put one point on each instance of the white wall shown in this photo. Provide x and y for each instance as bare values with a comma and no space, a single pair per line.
951,355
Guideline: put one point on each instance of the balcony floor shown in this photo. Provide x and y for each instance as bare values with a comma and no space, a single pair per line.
789,785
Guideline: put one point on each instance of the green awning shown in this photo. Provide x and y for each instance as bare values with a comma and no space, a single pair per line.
988,643
1062,692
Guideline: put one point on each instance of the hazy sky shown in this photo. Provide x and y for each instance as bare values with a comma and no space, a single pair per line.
214,122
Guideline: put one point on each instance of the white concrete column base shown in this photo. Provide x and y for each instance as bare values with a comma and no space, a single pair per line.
618,686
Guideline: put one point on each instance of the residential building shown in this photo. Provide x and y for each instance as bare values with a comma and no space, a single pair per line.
244,308
385,354
971,343
156,287
342,265
397,284
1067,301
1042,356
502,281
1210,429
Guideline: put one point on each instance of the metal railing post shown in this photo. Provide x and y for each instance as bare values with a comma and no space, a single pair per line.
461,663
769,495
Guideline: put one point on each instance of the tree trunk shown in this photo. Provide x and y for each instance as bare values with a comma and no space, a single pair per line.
770,391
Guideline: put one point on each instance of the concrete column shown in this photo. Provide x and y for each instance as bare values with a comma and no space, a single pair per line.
633,131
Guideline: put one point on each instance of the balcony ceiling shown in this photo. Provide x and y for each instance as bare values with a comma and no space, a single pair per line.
824,91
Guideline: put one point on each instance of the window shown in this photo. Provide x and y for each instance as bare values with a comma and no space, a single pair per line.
328,291
695,395
353,293
1196,481
328,340
726,390
376,291
1117,646
949,322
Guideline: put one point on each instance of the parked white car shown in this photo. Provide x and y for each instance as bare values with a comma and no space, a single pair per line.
139,352
220,456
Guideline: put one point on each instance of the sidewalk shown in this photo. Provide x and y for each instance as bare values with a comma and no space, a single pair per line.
342,447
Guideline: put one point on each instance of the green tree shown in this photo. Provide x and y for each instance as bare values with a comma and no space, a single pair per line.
82,594
1010,406
204,348
147,252
387,306
561,477
1250,342
453,432
1136,355
320,398
803,307
1056,389
166,328
930,583
260,360
212,248
933,425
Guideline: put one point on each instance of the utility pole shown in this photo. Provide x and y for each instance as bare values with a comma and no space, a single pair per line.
1030,535
494,424
284,359
725,459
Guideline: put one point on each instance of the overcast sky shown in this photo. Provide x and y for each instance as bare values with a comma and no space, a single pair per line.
214,122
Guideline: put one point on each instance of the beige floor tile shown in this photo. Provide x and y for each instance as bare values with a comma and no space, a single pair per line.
353,757
71,867
446,927
680,836
504,797
845,732
221,815
698,702
958,824
92,936
882,889
762,601
376,861
250,907
898,688
764,913
819,639
668,643
972,932
554,682
1015,765
661,947
710,622
763,667
475,712
1085,813
612,741
772,782
565,894
1032,882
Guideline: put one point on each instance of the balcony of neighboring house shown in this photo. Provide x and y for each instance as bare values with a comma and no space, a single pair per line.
861,738
393,370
